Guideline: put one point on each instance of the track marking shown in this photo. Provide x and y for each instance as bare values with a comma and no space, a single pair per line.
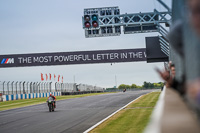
91,128
155,120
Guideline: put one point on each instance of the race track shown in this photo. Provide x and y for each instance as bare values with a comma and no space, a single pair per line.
70,116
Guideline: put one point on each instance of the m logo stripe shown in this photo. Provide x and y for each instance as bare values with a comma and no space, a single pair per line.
2,62
6,61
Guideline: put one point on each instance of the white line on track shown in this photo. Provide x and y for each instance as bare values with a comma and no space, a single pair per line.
91,128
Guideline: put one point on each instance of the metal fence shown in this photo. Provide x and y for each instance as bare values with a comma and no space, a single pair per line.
24,87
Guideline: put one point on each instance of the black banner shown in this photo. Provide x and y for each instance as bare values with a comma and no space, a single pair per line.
67,58
153,50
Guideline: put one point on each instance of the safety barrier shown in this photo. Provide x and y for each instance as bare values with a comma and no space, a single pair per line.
27,90
24,87
28,96
172,115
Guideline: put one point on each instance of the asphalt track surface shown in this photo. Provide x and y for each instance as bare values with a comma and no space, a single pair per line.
70,116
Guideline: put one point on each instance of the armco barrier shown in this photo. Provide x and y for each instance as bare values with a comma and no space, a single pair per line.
28,96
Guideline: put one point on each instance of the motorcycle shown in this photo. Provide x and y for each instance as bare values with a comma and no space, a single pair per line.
124,90
51,104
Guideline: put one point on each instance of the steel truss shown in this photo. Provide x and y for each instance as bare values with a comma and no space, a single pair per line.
134,19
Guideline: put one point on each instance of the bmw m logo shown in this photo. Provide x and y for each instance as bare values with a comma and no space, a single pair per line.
7,61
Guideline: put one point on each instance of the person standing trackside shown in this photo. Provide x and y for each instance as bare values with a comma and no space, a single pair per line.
168,76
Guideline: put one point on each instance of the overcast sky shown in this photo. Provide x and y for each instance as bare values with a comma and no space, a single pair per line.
41,26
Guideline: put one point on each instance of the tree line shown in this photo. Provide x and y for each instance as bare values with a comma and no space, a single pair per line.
146,85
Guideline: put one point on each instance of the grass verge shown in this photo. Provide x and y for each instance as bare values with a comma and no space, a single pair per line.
27,102
133,119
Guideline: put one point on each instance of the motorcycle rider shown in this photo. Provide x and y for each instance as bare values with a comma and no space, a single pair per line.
124,90
54,98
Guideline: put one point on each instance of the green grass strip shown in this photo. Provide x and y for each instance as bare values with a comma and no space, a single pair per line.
27,102
133,119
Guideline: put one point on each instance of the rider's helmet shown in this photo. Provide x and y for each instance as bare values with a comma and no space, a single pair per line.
50,94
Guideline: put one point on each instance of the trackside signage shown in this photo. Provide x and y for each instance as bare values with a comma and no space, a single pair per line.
67,58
